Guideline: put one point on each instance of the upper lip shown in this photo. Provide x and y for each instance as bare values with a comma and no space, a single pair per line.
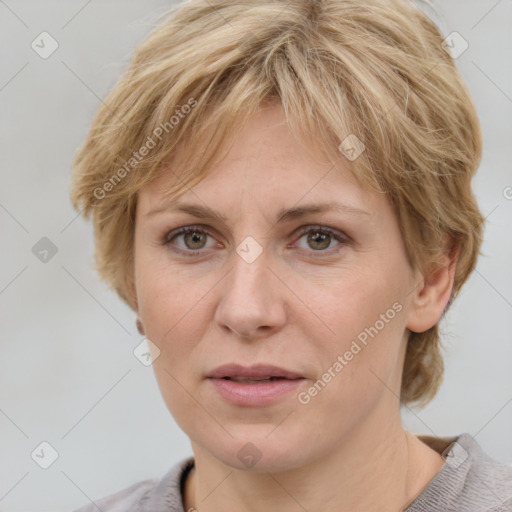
256,371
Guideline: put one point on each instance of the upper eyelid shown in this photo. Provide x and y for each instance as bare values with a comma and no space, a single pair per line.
208,229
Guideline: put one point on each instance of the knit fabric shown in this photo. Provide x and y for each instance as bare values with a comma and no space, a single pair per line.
469,481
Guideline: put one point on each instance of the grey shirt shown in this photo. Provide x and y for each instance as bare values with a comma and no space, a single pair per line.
469,481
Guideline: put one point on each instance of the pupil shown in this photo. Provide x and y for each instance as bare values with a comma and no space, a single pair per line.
196,238
319,238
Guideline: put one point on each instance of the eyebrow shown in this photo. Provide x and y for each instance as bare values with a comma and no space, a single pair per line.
284,215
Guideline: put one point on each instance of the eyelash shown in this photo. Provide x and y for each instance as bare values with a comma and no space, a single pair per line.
340,237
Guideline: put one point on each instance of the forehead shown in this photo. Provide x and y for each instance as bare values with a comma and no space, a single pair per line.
267,163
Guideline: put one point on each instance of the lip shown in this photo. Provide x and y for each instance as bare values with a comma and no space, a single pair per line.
255,394
256,371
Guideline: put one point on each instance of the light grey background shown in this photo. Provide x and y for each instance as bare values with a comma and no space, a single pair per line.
67,372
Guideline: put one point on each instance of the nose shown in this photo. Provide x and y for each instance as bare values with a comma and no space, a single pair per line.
252,301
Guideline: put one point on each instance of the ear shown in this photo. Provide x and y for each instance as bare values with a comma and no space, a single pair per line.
140,326
432,294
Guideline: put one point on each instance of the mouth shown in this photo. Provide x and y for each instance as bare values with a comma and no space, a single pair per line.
256,380
254,386
255,374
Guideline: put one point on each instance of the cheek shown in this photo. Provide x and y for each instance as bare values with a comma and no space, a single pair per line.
354,301
169,311
174,308
173,315
360,362
363,312
160,291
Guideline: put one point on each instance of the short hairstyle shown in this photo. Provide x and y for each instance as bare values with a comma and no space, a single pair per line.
372,69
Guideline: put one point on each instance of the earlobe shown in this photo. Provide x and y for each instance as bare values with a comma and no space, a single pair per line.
140,326
432,294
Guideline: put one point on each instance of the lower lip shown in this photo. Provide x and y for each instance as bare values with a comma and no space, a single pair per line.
257,394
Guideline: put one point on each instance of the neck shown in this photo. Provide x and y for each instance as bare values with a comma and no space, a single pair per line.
384,470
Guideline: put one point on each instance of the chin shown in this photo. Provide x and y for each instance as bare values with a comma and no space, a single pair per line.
259,454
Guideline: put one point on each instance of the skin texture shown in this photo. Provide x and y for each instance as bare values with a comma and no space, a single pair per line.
299,305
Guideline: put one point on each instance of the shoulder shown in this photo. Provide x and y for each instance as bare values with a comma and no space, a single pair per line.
126,500
147,494
486,477
469,480
504,507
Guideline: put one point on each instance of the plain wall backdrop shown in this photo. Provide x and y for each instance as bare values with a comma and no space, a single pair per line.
68,376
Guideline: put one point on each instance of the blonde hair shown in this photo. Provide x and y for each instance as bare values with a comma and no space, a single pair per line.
373,69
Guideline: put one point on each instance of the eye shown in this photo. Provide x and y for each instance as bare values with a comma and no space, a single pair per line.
319,239
193,237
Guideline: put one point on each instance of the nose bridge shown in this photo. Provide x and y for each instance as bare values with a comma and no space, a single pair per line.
248,304
249,275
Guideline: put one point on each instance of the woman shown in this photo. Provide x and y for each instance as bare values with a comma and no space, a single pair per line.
281,193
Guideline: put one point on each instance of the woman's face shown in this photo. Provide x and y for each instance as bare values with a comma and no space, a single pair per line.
324,295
